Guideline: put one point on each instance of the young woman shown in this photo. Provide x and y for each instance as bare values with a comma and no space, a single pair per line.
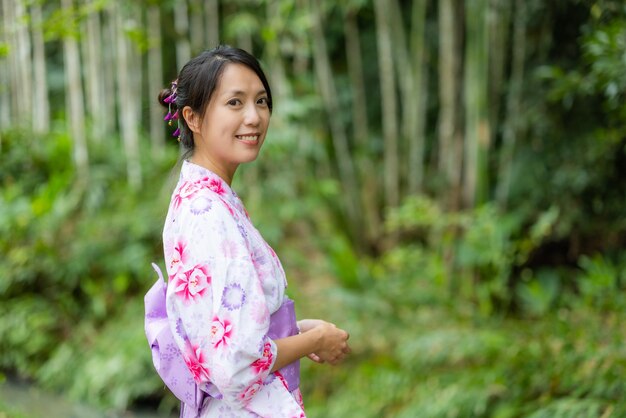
226,302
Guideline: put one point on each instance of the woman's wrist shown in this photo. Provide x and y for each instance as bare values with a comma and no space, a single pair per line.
305,325
314,337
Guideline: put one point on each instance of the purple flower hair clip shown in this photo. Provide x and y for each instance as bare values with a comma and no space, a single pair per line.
172,116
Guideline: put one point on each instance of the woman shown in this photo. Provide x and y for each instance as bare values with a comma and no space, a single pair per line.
226,285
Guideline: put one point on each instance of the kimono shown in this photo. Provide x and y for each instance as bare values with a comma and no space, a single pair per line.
224,282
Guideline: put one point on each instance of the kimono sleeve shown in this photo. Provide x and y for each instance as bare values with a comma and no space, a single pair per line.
216,303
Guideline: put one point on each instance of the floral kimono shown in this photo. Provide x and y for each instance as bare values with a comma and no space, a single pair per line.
224,283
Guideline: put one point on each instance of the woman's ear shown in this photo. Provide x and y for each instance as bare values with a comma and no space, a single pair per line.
191,119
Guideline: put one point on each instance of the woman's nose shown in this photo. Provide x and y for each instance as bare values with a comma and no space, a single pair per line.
252,116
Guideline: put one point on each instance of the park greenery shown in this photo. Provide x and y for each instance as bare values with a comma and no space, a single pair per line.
444,179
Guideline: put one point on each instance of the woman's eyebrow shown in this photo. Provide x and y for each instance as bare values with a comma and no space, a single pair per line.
237,92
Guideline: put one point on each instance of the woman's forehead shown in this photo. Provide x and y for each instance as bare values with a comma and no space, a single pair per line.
239,79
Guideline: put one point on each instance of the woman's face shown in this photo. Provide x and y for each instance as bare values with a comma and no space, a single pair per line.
233,127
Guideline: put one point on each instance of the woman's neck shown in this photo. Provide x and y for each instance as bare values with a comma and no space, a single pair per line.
224,173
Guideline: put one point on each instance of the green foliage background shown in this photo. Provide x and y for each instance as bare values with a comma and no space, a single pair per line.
483,312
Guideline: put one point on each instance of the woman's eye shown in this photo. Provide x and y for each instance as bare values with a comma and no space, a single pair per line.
233,102
262,101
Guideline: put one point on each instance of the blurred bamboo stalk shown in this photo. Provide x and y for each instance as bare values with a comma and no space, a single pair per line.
212,23
128,96
360,127
181,26
417,119
19,63
196,27
155,78
25,62
41,104
405,86
109,59
499,19
449,151
5,80
512,123
476,89
74,98
278,77
94,86
357,86
389,100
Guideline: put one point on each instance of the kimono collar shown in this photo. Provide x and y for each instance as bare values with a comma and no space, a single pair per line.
191,172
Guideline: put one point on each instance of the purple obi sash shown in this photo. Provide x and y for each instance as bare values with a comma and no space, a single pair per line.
169,362
283,324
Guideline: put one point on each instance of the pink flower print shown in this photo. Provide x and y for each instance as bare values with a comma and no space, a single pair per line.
186,191
300,401
271,250
281,379
193,283
217,187
196,362
250,391
260,313
232,212
179,257
265,362
221,331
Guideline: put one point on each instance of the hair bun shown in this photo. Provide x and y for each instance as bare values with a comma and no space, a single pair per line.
163,95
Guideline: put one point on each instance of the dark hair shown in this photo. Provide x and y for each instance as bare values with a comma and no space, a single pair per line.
199,78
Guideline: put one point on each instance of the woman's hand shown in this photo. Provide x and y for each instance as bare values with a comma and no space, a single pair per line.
332,342
305,325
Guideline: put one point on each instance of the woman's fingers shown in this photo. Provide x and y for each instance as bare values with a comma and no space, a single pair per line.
314,357
333,345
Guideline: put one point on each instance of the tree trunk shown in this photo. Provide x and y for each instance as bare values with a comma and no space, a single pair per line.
388,98
339,139
212,23
181,26
417,131
513,104
74,100
155,79
41,108
476,104
449,155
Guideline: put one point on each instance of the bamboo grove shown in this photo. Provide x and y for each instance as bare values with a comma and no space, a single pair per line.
411,96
